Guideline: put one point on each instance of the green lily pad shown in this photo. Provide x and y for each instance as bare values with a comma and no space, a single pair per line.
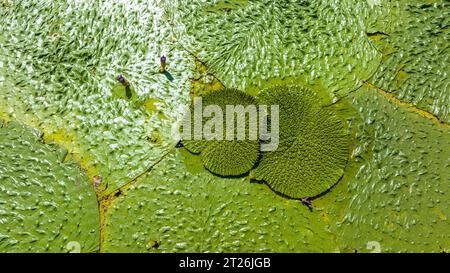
200,212
230,158
383,62
397,201
313,144
58,66
416,62
322,42
225,157
47,204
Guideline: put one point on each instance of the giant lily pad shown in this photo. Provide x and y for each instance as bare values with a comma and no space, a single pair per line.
59,62
188,211
47,204
322,42
417,56
58,66
398,198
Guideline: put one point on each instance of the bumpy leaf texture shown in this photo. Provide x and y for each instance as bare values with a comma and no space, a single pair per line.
313,148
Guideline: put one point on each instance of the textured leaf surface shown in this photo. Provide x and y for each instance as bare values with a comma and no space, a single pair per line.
313,148
194,211
59,62
225,157
58,66
417,60
46,204
399,196
322,42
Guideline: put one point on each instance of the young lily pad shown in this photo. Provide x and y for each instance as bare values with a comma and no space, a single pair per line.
230,158
313,148
225,157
